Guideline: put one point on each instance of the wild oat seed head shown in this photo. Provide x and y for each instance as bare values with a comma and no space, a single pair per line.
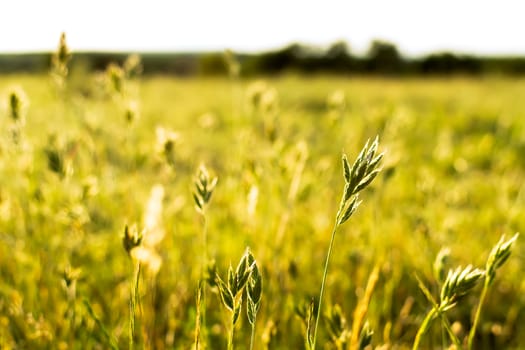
63,54
133,66
459,282
440,264
132,111
337,325
115,76
70,275
60,60
255,284
225,293
204,186
365,338
166,140
254,92
232,64
498,256
132,238
254,292
357,177
17,102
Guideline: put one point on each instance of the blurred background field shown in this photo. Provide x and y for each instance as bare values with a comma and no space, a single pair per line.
84,161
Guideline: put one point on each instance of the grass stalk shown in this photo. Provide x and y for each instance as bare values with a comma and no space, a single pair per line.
497,258
252,337
446,324
105,332
198,317
204,186
425,325
325,273
362,308
357,177
477,316
203,267
134,301
230,335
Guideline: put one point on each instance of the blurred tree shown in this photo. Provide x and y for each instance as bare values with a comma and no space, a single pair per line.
274,61
212,64
383,57
338,50
339,59
448,63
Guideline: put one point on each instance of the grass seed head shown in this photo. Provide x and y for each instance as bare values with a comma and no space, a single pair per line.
115,76
225,293
132,238
232,64
337,326
498,256
365,338
166,142
204,186
70,275
440,264
132,111
18,103
254,292
60,61
357,177
242,273
63,54
132,66
458,283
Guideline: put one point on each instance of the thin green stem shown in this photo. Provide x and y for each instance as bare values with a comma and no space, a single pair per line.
105,332
230,336
325,273
477,317
443,337
204,237
252,338
425,325
448,328
131,322
134,299
71,300
203,271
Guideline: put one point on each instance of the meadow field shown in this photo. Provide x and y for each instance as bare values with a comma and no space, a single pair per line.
124,200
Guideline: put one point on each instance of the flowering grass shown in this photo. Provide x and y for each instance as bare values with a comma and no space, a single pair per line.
87,162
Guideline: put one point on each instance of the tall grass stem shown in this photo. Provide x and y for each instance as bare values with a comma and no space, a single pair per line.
477,316
325,273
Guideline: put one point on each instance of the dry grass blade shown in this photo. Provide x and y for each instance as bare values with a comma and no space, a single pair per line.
362,308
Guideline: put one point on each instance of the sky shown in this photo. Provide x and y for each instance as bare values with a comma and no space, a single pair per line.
417,27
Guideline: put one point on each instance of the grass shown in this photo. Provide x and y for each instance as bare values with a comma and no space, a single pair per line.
452,177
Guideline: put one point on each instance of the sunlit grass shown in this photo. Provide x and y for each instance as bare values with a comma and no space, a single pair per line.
453,176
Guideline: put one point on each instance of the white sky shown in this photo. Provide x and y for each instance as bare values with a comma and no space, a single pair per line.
415,26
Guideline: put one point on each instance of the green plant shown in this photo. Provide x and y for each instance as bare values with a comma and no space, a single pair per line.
458,283
204,187
17,111
497,257
357,177
338,328
231,292
254,292
131,240
59,63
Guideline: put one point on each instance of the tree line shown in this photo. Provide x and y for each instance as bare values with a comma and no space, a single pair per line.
382,58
